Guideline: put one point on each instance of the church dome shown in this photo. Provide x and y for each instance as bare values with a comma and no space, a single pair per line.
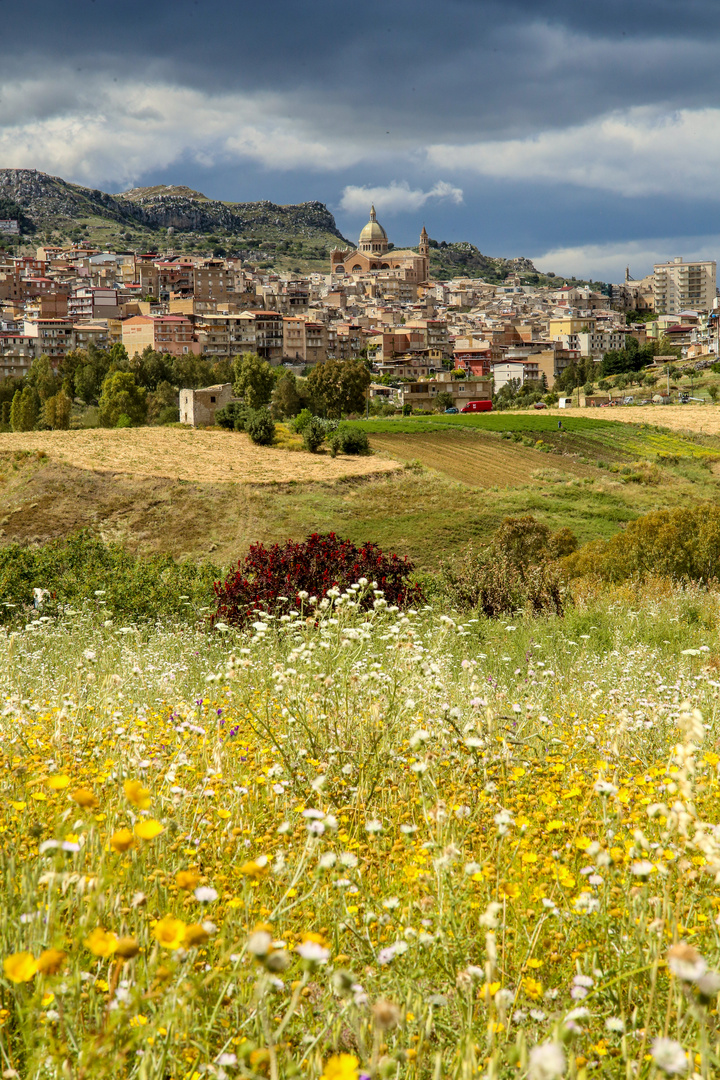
373,231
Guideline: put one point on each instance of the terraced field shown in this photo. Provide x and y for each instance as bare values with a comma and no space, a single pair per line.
475,458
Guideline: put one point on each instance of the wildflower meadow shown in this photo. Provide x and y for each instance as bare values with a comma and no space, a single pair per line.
351,841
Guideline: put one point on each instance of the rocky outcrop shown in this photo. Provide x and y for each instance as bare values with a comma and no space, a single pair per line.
463,259
48,201
51,202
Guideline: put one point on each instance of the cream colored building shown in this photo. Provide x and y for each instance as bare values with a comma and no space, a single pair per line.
678,286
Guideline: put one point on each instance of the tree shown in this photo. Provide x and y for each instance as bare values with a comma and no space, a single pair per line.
56,412
338,386
152,368
254,380
163,403
713,392
15,411
42,377
285,398
28,411
444,400
120,394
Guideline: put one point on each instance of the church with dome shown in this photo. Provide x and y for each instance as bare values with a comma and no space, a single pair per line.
375,253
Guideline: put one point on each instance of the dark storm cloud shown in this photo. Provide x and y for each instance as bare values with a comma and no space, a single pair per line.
450,69
567,125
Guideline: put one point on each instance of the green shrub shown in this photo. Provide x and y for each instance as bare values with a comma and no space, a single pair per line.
83,569
496,585
233,417
168,415
682,544
124,420
517,571
346,440
313,434
301,421
261,427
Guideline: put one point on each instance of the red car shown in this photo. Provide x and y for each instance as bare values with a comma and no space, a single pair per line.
477,406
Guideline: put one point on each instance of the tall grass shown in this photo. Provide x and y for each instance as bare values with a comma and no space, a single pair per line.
344,843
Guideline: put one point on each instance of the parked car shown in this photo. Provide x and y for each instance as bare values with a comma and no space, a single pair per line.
477,406
628,400
452,409
539,405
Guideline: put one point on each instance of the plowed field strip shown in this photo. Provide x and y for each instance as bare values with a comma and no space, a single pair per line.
475,459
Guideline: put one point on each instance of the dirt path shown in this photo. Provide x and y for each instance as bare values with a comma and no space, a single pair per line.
186,454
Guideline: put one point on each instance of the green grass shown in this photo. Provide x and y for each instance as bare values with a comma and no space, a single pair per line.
632,441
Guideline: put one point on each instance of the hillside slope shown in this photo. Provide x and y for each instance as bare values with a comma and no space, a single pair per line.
53,208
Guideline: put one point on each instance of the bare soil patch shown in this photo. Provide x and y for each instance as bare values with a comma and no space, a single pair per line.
185,454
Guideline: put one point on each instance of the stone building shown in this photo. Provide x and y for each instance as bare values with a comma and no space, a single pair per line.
199,406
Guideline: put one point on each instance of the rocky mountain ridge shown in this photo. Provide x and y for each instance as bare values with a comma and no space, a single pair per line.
48,202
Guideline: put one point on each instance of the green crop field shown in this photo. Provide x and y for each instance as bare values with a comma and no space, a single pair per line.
635,439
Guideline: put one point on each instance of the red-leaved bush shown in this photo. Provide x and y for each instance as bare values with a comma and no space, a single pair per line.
269,579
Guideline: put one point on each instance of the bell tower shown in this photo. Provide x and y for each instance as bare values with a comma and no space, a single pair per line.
424,246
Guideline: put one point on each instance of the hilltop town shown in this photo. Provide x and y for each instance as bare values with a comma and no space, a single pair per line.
428,342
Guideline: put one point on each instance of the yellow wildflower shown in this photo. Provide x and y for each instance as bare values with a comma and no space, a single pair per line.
85,798
122,840
20,967
170,932
57,783
101,942
137,794
187,879
341,1067
51,961
148,829
195,934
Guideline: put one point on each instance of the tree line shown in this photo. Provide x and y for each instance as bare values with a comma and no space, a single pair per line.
111,388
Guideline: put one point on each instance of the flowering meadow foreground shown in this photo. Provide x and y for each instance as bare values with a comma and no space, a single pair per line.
346,844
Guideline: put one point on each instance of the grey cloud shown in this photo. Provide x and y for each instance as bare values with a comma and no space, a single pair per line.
418,70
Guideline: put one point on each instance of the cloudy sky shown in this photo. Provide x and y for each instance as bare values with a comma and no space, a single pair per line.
585,136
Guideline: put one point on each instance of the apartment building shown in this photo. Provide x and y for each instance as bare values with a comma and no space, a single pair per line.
304,340
679,285
268,334
93,303
213,281
51,337
422,395
223,334
17,352
165,333
597,343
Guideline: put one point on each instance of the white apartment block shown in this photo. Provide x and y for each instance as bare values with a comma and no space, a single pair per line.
678,286
598,342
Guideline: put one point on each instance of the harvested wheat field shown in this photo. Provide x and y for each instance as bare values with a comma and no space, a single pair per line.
699,419
475,458
186,454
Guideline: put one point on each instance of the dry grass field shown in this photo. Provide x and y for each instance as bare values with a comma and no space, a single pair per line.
207,457
475,458
700,419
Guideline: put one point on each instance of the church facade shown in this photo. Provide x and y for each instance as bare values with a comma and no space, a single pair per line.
374,253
